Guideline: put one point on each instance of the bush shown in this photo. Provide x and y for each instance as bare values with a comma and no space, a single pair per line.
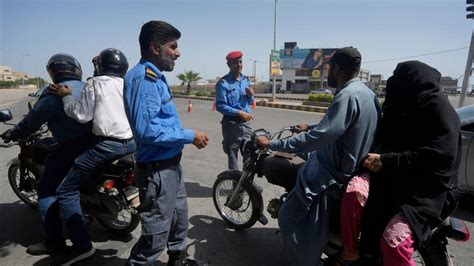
203,93
325,98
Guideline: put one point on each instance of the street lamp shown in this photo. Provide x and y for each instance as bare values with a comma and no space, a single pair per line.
274,48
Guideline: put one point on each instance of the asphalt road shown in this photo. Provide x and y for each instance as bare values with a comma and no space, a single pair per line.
209,240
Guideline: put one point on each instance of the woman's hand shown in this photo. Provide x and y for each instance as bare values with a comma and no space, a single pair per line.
373,162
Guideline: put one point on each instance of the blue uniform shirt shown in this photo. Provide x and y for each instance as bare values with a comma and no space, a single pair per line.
49,109
155,123
231,96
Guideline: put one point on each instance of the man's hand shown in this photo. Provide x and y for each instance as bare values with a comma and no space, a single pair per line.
373,162
303,127
245,116
249,91
60,90
262,142
7,136
200,139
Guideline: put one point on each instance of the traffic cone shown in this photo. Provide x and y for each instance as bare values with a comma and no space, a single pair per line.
254,104
190,107
214,105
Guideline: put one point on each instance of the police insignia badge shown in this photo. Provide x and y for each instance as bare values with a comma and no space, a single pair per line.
150,74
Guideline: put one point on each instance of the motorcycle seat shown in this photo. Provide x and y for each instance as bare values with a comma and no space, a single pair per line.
126,160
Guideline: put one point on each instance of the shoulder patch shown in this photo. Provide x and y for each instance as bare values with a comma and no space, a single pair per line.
221,80
150,74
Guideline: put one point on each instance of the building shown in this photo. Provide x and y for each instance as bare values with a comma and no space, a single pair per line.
7,74
448,85
364,75
21,76
376,82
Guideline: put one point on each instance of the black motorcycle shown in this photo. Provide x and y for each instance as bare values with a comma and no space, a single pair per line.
110,195
239,201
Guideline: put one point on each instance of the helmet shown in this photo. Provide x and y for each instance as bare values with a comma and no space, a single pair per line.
63,67
112,62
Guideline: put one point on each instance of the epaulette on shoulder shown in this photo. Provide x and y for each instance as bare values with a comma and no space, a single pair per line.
221,80
150,74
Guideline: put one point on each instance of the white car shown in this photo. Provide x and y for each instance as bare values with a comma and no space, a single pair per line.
466,169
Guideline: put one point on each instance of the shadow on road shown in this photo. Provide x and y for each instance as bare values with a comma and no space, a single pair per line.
20,225
215,244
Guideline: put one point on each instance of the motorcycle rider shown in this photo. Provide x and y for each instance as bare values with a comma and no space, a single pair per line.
102,103
73,138
337,145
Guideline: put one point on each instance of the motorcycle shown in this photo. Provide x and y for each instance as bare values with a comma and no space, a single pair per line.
239,201
110,195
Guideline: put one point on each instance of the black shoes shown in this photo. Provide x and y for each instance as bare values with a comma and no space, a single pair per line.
43,248
180,259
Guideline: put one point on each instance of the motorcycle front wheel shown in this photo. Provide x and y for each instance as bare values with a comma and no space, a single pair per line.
126,221
248,207
25,189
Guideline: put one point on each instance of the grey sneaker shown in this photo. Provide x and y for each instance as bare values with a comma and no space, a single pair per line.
42,248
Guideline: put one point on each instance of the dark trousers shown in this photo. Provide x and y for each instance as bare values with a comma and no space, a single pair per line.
103,152
163,213
56,167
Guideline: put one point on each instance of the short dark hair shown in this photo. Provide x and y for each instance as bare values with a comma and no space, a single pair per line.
156,31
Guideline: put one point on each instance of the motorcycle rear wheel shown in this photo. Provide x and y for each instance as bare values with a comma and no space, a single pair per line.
29,194
434,255
126,221
250,202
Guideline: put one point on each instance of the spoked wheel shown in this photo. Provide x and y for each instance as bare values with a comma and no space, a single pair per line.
245,210
25,189
126,221
434,254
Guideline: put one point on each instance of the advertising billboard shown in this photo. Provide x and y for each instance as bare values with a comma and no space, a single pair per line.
310,59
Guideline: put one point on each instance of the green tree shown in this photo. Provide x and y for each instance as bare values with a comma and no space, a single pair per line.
188,77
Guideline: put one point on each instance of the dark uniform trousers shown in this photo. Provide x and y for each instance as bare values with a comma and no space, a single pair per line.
234,132
163,211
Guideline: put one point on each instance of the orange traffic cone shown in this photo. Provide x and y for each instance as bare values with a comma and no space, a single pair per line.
190,107
214,105
254,104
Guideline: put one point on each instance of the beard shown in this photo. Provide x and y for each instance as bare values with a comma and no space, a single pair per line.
165,63
331,81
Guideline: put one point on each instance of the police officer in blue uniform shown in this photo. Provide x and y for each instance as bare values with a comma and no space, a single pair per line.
160,139
233,99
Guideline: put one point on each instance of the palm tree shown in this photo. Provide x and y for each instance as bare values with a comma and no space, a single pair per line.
188,77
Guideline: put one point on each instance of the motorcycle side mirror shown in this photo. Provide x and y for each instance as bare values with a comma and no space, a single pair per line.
5,115
31,94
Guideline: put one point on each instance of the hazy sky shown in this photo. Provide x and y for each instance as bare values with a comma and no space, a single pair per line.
32,31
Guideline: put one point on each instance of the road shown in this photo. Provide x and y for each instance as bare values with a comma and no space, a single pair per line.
209,240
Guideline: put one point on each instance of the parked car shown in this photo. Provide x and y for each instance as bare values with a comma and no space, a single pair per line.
321,91
466,169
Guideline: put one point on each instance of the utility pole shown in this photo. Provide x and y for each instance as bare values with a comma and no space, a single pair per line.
468,69
274,48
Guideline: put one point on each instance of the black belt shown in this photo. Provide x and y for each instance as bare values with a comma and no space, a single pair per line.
162,164
101,138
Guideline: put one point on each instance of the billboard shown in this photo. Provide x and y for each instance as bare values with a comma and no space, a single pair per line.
275,63
310,59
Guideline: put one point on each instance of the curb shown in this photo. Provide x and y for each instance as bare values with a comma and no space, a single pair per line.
305,108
